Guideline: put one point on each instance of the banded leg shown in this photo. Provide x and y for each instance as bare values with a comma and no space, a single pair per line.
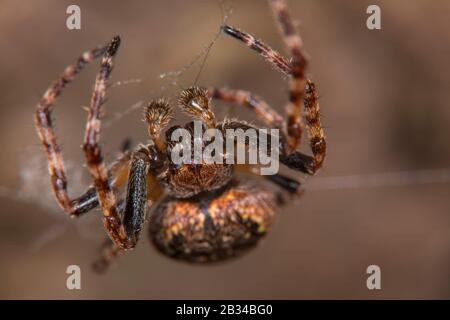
254,103
45,129
316,136
272,56
110,251
118,173
94,158
140,192
302,162
297,81
295,160
295,70
124,232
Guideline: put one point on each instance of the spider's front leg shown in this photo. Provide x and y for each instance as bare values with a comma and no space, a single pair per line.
133,210
143,191
123,232
300,90
297,160
123,229
46,132
254,103
143,188
45,129
118,173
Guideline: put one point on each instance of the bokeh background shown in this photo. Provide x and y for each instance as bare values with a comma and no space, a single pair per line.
384,102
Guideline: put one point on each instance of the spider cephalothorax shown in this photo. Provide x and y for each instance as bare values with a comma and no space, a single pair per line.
187,180
201,211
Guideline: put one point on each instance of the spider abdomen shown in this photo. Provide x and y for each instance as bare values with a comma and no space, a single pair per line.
212,226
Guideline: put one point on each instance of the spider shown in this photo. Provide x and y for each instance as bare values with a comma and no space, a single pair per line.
201,212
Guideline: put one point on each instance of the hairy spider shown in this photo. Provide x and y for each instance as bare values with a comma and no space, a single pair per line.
202,212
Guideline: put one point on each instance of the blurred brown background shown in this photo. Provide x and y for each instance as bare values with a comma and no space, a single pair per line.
385,106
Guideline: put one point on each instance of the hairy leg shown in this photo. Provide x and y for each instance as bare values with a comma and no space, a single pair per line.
317,140
272,56
94,158
124,232
254,103
295,160
45,129
295,69
119,175
297,81
142,192
109,253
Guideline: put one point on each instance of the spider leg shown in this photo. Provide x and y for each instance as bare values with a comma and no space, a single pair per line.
85,202
286,184
133,208
45,129
254,103
302,162
94,158
123,231
316,135
296,68
294,160
118,173
290,185
109,250
299,89
272,56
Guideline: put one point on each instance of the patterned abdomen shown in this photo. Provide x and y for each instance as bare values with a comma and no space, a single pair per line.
212,227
